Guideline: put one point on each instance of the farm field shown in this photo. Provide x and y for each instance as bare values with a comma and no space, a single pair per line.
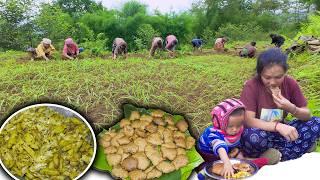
189,85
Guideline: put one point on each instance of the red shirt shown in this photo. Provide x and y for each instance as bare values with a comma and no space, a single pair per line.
255,95
73,50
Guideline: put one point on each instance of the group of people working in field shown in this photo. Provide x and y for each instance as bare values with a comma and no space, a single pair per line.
119,47
45,50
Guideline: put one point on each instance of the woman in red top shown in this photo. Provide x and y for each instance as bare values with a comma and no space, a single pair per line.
269,97
70,49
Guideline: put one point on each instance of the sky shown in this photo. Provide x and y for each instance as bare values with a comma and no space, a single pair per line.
162,5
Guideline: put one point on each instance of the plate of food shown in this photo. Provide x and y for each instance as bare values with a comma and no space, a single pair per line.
46,141
147,144
243,169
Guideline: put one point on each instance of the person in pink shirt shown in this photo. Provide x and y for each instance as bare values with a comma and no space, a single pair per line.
171,43
119,47
70,49
156,44
219,44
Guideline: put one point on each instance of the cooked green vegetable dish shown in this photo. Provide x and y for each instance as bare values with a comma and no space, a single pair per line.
40,143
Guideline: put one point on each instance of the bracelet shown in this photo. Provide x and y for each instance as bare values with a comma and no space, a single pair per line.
275,126
295,110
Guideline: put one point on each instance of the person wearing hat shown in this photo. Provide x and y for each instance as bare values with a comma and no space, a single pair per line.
44,50
70,49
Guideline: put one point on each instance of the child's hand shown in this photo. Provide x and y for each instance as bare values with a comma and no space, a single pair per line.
228,170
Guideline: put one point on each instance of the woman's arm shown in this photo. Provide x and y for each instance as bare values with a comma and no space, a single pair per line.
251,121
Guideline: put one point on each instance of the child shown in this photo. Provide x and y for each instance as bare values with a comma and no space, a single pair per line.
224,136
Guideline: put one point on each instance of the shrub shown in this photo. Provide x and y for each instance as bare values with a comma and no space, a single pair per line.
97,46
241,32
311,27
145,34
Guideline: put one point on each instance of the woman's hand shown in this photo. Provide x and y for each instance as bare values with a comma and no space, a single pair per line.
283,103
289,132
227,170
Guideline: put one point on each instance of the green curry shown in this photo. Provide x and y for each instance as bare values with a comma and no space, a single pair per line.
40,143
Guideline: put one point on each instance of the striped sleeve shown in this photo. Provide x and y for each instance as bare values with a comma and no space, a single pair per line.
217,144
210,141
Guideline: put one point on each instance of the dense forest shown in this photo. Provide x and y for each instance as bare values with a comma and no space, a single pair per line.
23,23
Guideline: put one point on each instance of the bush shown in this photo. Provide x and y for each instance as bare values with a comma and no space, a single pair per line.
241,32
208,37
145,34
97,46
312,27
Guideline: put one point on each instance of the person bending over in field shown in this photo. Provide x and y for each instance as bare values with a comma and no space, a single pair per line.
157,43
119,46
219,44
70,49
171,43
43,51
249,50
197,44
277,40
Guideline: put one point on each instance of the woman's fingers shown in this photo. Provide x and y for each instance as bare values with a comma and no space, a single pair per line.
287,137
292,135
295,134
276,99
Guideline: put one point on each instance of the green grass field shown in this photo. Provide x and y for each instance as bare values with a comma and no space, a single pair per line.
188,85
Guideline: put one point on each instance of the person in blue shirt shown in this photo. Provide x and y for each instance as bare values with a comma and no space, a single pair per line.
197,44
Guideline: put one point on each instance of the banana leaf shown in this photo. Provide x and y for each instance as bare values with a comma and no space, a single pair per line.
194,157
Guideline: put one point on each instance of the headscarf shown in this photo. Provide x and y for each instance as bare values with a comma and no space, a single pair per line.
68,41
46,41
220,117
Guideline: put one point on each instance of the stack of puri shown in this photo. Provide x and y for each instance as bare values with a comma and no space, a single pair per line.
147,146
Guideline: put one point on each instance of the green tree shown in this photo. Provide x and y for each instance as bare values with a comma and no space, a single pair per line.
315,3
54,24
145,34
13,20
83,33
312,27
76,8
132,8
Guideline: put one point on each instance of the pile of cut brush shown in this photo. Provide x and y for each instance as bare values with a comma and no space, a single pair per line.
305,43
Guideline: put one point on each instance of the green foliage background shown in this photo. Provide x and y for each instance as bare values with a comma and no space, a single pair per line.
24,23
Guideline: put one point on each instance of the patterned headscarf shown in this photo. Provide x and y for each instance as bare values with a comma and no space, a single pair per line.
220,117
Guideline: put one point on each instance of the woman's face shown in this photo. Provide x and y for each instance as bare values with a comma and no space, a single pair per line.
46,45
272,76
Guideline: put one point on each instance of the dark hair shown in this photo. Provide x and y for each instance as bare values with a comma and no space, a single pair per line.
271,57
175,42
237,112
253,43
